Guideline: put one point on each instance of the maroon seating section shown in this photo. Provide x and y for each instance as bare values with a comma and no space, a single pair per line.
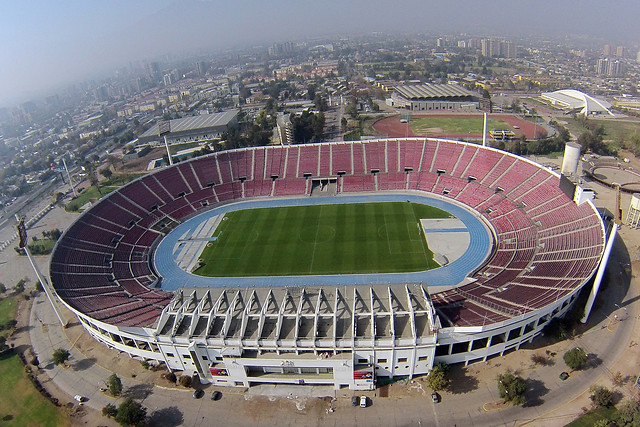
546,245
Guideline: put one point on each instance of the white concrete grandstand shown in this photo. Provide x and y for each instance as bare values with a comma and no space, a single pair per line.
574,101
341,332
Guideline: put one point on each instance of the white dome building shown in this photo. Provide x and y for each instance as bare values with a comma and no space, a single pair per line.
575,101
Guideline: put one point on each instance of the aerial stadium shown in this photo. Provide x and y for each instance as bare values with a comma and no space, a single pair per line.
332,264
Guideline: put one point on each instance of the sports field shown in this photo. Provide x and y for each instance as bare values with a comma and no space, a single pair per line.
452,125
321,239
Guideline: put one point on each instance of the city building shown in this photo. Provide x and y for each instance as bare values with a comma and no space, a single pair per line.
608,67
494,48
195,128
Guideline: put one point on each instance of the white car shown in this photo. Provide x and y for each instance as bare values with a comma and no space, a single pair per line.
79,398
363,401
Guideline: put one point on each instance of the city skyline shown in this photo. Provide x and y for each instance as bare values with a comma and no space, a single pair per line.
47,46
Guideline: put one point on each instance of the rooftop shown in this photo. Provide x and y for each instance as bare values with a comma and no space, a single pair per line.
202,121
429,90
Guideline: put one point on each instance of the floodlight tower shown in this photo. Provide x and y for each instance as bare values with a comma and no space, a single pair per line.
605,258
164,128
73,187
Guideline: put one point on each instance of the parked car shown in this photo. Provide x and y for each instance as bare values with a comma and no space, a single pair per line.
197,394
363,401
355,400
80,399
564,375
435,397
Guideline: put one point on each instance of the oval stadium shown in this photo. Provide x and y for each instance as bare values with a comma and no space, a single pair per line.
331,264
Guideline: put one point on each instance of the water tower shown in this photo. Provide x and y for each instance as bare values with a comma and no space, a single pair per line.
633,216
571,158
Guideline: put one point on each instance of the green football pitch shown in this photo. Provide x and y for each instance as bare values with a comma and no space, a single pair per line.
321,239
452,125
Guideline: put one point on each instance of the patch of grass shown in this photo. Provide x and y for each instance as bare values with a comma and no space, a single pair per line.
118,180
614,130
41,246
352,136
8,307
88,194
20,403
446,125
184,146
321,239
590,418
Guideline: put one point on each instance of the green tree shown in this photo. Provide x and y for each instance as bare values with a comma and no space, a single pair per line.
131,413
60,356
110,410
115,385
92,176
628,413
576,358
438,377
351,110
602,422
106,172
601,396
512,388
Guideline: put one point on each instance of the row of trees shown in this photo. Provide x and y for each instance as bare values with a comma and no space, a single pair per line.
128,413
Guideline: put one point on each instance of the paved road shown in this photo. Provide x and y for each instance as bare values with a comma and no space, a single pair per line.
553,402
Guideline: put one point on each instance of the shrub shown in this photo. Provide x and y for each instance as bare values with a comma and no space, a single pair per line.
170,376
539,359
576,358
60,356
185,380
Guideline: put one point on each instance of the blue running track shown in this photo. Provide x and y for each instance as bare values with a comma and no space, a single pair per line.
174,278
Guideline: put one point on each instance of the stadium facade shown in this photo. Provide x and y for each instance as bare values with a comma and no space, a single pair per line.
545,248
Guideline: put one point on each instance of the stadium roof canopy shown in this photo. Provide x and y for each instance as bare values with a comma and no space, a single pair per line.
574,100
201,122
432,91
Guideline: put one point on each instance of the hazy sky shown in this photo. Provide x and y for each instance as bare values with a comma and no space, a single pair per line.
44,44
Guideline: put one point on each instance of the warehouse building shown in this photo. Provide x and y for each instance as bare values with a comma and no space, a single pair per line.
192,129
426,97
